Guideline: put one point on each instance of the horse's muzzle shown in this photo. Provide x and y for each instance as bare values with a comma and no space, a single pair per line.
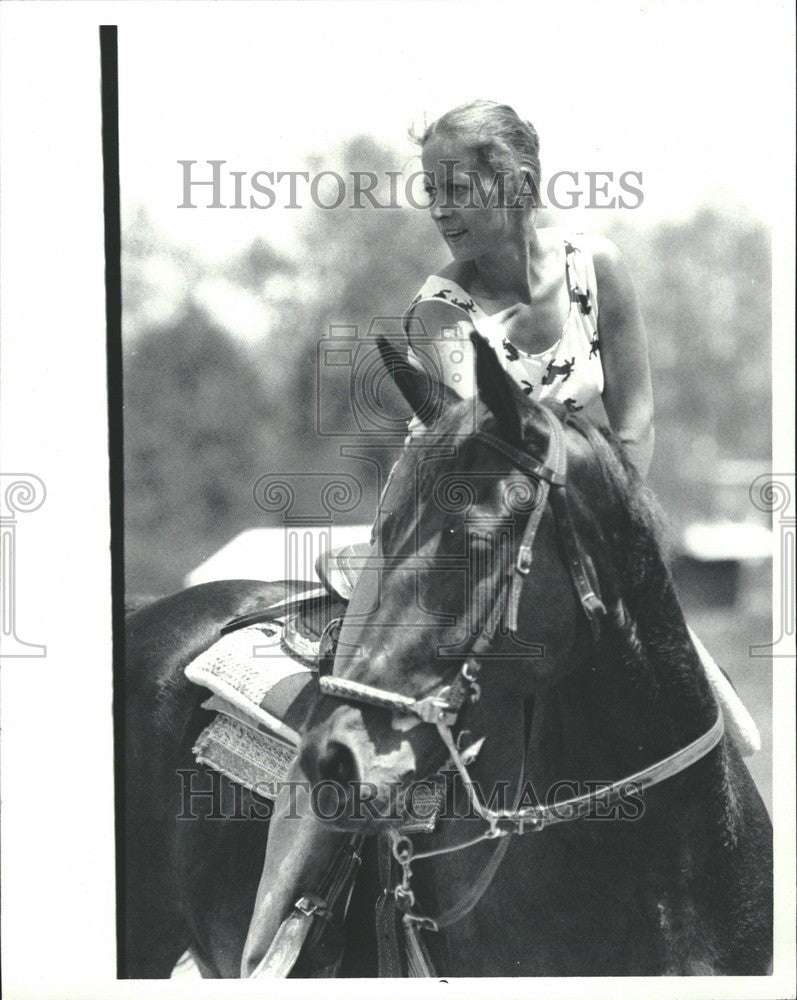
353,780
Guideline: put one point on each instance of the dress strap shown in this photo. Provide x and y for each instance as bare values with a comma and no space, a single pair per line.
437,289
581,279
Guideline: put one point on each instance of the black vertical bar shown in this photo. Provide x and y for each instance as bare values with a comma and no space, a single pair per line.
113,318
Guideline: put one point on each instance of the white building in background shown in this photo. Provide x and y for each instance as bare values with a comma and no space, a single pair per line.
282,553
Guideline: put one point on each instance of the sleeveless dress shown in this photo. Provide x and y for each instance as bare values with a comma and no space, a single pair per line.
569,371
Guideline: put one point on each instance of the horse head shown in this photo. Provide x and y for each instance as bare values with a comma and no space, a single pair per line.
444,586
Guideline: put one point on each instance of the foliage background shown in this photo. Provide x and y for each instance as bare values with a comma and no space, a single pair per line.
220,382
209,410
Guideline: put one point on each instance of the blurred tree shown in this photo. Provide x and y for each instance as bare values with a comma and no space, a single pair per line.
704,287
362,265
197,430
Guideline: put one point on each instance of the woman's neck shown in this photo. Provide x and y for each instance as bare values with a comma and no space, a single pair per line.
517,269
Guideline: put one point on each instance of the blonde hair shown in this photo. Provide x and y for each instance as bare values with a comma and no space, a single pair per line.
501,139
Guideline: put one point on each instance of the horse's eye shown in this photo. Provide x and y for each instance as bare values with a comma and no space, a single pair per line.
451,540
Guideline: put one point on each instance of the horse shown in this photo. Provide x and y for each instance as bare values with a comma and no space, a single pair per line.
191,842
630,839
679,883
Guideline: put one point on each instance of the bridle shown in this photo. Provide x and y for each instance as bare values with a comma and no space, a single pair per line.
442,708
550,477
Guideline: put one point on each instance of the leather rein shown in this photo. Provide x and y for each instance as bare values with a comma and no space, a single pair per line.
442,708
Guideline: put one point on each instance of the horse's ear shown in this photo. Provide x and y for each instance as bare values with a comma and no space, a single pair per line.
497,391
425,395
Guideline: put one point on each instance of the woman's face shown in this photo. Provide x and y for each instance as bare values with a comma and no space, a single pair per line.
471,220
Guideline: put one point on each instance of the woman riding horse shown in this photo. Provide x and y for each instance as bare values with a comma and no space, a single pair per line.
538,315
558,309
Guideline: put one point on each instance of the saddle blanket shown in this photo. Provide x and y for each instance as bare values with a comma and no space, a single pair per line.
261,691
261,688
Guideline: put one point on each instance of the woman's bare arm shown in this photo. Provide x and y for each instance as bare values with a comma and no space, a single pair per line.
627,392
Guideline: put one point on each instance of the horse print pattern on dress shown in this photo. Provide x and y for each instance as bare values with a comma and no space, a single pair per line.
448,296
565,370
510,350
575,356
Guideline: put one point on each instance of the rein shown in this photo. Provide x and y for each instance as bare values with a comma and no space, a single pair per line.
442,708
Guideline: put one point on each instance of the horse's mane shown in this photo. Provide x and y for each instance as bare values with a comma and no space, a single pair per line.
635,519
633,527
652,642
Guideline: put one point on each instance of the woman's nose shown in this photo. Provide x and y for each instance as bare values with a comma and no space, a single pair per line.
440,211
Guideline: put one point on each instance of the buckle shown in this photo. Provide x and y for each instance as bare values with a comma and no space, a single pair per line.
593,604
523,564
310,906
434,709
326,647
405,899
422,923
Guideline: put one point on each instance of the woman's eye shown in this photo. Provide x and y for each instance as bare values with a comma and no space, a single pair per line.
458,193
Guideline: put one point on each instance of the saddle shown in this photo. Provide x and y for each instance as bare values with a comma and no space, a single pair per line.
311,611
340,568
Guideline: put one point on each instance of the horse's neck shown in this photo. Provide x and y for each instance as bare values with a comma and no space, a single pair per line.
629,704
594,728
641,695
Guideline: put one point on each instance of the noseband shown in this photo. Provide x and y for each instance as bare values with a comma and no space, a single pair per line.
442,709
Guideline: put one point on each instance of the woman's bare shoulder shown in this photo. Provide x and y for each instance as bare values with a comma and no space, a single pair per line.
605,253
616,293
550,235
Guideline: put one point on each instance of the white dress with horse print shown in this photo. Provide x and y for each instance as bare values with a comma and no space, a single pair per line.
569,371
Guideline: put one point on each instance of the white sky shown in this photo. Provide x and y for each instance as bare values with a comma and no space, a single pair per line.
682,91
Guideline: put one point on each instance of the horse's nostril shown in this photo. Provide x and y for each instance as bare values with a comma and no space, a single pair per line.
337,764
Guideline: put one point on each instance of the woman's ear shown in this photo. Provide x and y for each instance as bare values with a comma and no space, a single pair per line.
497,391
